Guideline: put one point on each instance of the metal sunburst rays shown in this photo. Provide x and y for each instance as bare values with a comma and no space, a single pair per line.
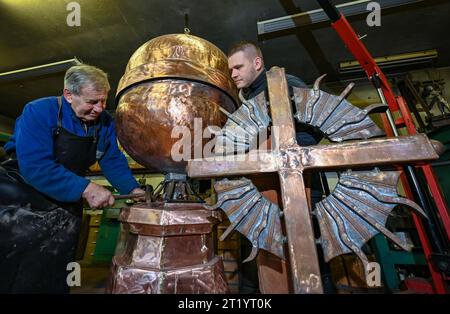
336,117
251,214
243,127
357,210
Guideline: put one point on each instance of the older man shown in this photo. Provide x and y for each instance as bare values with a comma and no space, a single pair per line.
55,141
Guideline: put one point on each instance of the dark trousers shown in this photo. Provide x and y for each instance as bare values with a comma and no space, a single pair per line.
38,237
35,249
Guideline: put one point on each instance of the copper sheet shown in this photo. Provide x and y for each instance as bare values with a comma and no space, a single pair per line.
414,148
403,149
166,248
179,56
148,113
167,252
199,279
169,81
164,219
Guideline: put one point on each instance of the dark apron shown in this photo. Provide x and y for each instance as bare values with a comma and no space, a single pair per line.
39,235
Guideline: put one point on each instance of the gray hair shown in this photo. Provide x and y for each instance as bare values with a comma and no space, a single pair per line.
79,76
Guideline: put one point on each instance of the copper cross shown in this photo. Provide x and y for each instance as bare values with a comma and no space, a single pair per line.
290,160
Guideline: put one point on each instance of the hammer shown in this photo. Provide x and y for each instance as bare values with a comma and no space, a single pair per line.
147,194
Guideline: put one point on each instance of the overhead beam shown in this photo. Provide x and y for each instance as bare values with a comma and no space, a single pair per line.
38,70
318,15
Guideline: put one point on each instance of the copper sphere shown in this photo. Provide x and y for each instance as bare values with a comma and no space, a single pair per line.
169,81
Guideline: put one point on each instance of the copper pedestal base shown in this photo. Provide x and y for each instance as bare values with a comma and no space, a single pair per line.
166,248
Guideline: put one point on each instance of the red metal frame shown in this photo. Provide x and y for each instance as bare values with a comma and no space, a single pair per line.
433,184
359,51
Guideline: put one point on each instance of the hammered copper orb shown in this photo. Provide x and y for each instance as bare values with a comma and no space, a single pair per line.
169,81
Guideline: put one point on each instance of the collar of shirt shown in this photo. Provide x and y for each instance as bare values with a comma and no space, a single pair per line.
258,85
77,125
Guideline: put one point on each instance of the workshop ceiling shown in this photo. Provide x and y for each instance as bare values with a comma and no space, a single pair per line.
35,32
